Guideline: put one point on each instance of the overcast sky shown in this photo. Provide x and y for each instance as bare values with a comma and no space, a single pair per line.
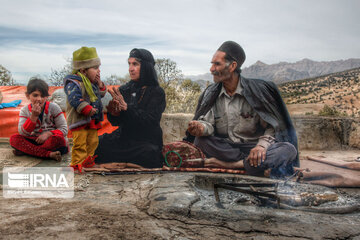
39,35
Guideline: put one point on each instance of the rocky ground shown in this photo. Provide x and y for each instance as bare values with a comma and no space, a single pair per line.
171,205
164,206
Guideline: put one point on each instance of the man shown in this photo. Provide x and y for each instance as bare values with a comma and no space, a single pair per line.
243,123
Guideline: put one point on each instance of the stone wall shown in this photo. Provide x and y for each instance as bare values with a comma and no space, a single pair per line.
174,126
320,133
314,133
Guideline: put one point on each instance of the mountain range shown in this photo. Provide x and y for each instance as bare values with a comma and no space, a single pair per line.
285,72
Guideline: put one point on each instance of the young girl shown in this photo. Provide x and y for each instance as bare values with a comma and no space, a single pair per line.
42,125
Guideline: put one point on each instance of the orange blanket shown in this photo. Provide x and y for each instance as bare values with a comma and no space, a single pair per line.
9,117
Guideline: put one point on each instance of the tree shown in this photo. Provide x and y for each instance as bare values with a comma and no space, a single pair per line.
181,94
190,92
169,77
168,72
5,77
56,77
116,80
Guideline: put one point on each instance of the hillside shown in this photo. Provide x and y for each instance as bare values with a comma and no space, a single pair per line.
339,90
306,68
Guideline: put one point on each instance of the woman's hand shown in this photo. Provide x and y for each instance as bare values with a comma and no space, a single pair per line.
118,98
114,108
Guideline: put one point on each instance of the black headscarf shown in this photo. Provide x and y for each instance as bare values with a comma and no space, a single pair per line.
148,76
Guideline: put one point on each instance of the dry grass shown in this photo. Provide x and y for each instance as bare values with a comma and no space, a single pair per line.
339,90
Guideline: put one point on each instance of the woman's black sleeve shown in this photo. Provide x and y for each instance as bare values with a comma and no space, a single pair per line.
150,116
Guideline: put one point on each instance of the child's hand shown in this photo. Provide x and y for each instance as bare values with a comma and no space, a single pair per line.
43,137
35,112
36,109
93,111
99,82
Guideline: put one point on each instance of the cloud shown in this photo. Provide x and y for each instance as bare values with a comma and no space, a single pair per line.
38,35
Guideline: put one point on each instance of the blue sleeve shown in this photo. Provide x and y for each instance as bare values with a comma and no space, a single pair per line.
73,94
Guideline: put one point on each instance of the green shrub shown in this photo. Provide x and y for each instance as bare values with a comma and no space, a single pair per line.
329,111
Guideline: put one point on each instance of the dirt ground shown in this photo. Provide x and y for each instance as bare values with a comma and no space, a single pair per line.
164,206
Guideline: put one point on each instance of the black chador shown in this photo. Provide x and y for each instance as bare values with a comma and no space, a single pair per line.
138,138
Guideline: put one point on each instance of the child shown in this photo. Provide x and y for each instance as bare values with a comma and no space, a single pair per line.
42,125
84,109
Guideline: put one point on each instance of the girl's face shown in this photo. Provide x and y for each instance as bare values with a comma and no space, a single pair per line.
36,99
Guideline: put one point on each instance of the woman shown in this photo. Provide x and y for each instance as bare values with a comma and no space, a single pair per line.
136,108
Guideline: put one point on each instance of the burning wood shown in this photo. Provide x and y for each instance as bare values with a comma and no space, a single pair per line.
307,199
269,193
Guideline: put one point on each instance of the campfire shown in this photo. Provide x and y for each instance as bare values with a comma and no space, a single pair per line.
272,194
275,194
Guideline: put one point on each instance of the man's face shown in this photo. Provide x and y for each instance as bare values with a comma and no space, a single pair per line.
219,68
134,69
93,74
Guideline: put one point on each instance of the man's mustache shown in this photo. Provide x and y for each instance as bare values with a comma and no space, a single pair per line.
215,73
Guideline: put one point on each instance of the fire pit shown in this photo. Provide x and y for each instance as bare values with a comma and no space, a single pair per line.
275,194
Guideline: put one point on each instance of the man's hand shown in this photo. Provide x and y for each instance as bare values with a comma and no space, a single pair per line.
195,128
43,137
257,156
117,97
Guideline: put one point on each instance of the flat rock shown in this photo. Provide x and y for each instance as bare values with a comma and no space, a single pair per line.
165,206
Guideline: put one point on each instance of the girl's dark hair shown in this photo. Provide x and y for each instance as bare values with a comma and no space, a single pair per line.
37,84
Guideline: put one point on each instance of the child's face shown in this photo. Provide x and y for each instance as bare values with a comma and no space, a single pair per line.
93,74
36,99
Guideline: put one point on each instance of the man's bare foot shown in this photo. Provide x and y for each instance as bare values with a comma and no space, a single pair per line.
56,156
216,163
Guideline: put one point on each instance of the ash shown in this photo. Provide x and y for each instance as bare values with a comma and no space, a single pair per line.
291,193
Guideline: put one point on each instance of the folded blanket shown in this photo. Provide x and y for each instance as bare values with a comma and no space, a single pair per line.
132,168
336,162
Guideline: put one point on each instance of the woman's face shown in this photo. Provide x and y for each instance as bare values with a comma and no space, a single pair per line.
134,69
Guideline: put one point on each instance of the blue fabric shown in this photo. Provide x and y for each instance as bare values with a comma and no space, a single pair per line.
14,103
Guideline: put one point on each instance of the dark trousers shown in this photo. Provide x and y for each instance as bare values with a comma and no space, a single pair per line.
278,155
